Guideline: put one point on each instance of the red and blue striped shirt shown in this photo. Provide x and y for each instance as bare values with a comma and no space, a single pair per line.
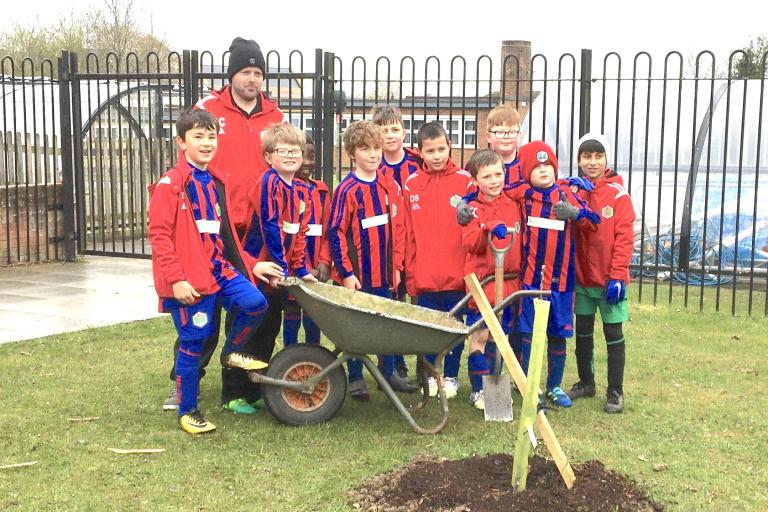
366,233
278,226
401,170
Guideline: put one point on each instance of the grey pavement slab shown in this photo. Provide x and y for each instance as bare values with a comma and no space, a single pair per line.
52,298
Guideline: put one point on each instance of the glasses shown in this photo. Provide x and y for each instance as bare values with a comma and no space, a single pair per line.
282,152
506,134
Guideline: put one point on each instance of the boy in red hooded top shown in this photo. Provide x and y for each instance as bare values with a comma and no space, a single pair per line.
434,255
494,212
198,263
603,254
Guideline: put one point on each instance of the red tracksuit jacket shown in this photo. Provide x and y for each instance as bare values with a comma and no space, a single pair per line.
366,232
480,259
434,254
604,251
239,148
178,253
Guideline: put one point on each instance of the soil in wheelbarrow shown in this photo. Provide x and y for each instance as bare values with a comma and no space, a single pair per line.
482,484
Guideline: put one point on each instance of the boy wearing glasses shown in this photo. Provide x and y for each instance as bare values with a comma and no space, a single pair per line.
281,204
503,132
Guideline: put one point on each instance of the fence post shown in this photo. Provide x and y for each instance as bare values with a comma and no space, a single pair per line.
328,119
67,180
585,96
317,113
77,154
186,77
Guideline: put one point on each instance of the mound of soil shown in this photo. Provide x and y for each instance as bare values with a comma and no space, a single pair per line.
482,484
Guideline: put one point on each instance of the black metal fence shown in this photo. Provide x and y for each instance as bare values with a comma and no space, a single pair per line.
687,138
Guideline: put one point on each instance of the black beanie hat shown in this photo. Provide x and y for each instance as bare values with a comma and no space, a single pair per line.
244,53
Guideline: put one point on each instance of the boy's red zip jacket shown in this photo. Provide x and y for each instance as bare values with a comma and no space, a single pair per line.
480,258
239,144
434,254
604,251
177,248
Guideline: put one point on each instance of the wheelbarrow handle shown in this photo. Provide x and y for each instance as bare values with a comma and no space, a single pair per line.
463,302
507,301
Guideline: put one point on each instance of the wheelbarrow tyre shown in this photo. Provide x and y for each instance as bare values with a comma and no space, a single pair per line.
301,362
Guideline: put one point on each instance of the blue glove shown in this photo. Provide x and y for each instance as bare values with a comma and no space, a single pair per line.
581,182
500,231
615,291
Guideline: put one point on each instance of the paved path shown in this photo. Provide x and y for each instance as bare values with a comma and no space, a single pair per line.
44,299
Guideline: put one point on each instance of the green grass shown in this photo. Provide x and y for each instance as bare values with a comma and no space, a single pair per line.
696,385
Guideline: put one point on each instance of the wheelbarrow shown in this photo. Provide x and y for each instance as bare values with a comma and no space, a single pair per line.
306,384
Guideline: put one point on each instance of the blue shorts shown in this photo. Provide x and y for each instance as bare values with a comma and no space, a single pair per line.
560,323
196,321
507,318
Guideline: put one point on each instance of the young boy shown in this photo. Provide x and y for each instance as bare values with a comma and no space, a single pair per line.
434,255
398,162
494,212
277,232
602,271
366,235
502,136
318,255
551,210
197,262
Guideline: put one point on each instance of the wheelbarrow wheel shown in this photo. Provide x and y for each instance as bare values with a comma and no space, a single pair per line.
299,363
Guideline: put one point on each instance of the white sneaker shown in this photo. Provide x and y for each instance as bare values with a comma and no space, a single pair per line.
451,387
171,403
432,386
477,400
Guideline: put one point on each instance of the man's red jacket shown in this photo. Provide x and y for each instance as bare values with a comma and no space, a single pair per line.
604,251
239,150
434,254
177,249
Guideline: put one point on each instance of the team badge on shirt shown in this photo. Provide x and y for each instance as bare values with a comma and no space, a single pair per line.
455,200
607,212
199,319
302,207
218,210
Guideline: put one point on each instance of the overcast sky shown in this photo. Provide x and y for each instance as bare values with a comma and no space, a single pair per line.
419,28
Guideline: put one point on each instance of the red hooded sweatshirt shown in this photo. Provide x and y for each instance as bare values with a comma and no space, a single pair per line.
480,258
239,150
434,254
177,249
604,251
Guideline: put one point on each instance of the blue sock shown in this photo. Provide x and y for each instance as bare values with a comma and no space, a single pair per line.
311,331
490,356
291,323
354,369
525,352
188,374
399,361
556,353
387,365
477,366
453,361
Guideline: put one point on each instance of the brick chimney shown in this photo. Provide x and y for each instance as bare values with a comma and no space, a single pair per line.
516,73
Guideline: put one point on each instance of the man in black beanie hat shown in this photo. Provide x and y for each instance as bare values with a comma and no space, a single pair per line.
243,113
